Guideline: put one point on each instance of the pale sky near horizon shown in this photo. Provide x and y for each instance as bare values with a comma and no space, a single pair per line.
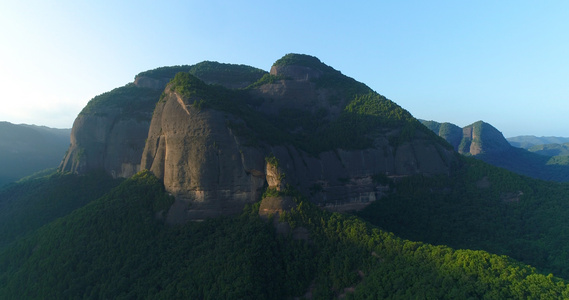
503,62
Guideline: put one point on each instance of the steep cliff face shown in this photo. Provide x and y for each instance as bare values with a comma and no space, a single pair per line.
474,139
210,145
484,142
202,162
208,133
482,138
111,131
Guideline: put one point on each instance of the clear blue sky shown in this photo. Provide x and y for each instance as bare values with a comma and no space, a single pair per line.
504,62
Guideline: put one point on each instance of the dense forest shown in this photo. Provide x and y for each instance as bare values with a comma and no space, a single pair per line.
117,247
482,207
35,201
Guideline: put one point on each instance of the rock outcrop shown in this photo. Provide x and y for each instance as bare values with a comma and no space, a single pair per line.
482,141
212,169
482,137
474,139
210,144
202,162
110,133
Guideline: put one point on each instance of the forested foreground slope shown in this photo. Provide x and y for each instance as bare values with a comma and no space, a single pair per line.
38,200
118,247
482,207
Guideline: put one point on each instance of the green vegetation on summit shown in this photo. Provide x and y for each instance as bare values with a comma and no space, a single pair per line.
293,59
133,98
129,99
364,113
210,72
329,77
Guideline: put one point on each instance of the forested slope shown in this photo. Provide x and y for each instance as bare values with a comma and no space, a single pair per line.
482,207
117,247
34,202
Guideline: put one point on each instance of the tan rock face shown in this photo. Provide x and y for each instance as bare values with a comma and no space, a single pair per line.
273,206
298,73
201,161
275,177
106,142
482,137
212,170
149,82
110,133
337,178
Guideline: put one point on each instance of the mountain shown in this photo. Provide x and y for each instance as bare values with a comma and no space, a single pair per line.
528,141
485,142
474,139
209,143
26,149
110,132
262,162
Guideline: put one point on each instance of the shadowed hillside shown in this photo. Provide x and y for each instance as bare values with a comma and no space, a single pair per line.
26,149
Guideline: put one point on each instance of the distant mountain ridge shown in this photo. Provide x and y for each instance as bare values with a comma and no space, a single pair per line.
485,142
528,141
26,149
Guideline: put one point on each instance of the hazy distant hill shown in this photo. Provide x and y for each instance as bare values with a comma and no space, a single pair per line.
551,149
528,141
25,149
485,142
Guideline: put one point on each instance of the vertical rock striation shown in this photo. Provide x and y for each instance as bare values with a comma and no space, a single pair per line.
201,161
210,144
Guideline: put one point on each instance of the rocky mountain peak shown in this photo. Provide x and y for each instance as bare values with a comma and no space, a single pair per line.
299,67
481,137
208,138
